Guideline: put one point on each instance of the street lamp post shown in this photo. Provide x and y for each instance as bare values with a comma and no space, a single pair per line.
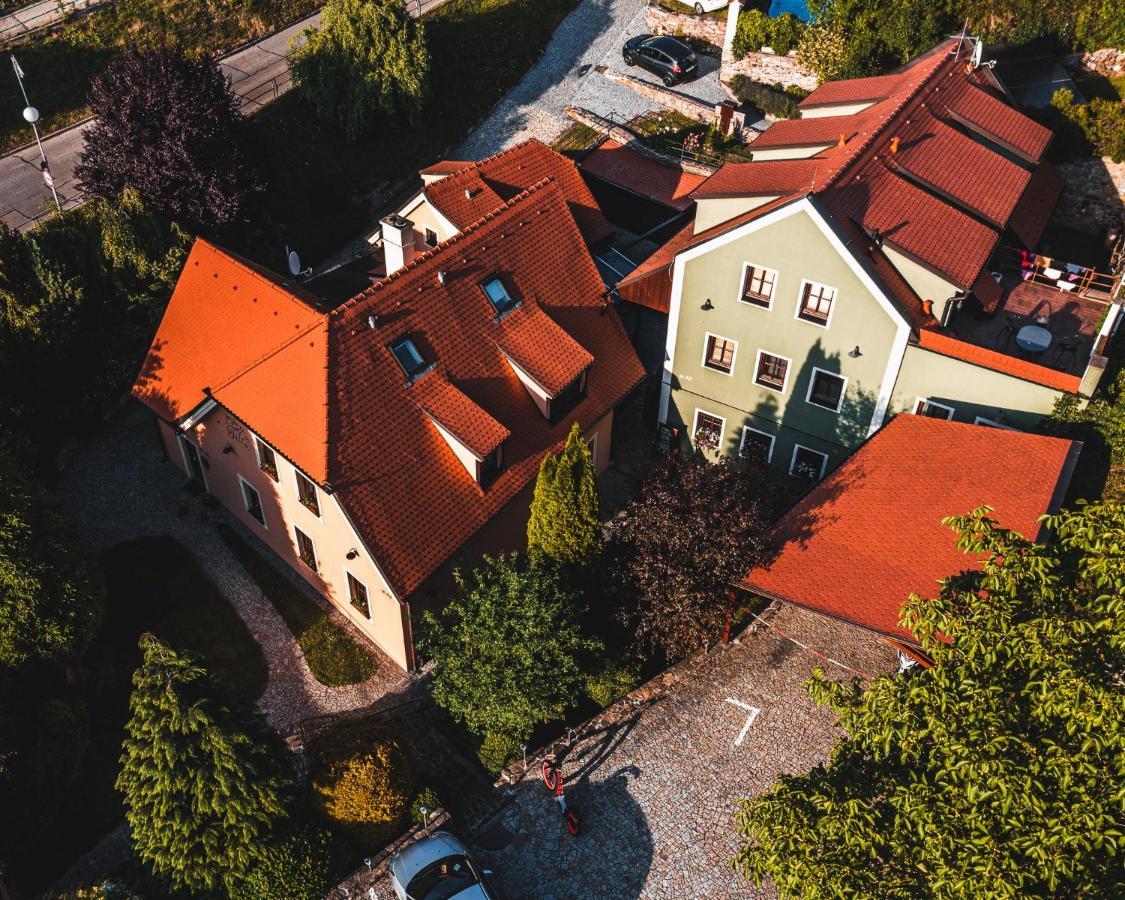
31,116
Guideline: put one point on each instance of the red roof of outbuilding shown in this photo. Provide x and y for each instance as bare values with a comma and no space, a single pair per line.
617,164
497,179
327,392
991,117
870,534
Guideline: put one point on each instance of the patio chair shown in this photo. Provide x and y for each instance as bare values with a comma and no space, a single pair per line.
1011,329
1067,350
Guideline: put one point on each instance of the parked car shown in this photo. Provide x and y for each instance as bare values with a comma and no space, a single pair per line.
662,55
438,868
705,6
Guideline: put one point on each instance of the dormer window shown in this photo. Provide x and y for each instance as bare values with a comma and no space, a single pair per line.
498,295
407,355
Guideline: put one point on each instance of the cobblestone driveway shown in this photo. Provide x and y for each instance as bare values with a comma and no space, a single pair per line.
658,792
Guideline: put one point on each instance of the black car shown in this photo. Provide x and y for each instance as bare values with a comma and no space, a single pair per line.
664,56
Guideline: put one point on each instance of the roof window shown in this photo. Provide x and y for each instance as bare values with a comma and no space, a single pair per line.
412,362
498,295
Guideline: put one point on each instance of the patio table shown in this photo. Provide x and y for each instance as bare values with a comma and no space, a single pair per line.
1033,338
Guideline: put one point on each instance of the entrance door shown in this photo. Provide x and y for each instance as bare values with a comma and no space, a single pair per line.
192,462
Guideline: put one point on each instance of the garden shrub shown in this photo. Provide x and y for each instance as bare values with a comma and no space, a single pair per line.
300,865
773,100
756,30
1096,127
613,681
498,750
362,781
426,797
785,33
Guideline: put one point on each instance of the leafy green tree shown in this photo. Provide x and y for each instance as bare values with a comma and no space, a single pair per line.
564,524
203,787
508,653
1096,127
50,598
368,61
694,527
299,864
996,773
1100,425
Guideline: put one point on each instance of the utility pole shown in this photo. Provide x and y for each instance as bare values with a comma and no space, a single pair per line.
31,116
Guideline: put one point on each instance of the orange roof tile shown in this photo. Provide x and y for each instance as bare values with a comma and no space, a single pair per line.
929,339
460,416
1030,216
870,534
993,118
496,179
618,164
446,167
533,341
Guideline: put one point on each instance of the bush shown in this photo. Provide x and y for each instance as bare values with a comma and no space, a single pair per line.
616,679
771,99
300,865
1096,127
824,52
785,33
756,30
426,797
362,781
498,750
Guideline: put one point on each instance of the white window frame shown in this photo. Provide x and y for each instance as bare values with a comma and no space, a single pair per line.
801,303
707,335
746,267
695,427
180,439
242,486
742,442
348,595
793,460
297,541
592,444
812,382
788,371
426,232
258,444
297,476
992,423
927,402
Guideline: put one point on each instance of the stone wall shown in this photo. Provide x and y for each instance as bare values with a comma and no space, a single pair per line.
770,68
1106,61
1093,194
666,97
711,29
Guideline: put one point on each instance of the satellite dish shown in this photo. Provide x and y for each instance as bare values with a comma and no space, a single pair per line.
978,53
294,262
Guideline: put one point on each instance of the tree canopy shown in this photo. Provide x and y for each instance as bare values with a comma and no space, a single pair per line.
203,788
50,598
675,549
564,524
996,773
507,651
169,126
368,62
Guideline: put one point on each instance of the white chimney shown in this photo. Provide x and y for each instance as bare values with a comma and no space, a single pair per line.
398,242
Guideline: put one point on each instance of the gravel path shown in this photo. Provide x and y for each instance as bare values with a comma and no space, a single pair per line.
591,36
119,486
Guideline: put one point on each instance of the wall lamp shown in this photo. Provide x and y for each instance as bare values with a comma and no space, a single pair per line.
707,304
855,352
353,553
229,448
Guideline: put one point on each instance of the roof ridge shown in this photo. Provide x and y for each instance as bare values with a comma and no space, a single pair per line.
465,232
244,264
475,167
322,322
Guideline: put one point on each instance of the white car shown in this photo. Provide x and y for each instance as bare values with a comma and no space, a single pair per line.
438,868
706,6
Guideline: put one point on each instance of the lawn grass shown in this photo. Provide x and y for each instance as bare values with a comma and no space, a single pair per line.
318,179
153,584
576,139
60,65
334,657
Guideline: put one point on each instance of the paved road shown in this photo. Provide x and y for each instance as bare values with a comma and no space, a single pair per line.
658,790
259,73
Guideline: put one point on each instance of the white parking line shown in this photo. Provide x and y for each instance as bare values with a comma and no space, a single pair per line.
752,710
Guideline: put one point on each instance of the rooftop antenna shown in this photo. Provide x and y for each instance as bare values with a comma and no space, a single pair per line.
295,264
961,40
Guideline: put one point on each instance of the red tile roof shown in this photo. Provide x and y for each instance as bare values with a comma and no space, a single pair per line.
617,164
496,179
446,167
542,349
294,374
853,90
805,132
870,534
1032,212
991,117
929,339
454,411
771,177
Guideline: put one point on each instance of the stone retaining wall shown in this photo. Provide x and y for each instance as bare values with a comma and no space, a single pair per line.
1106,61
770,68
1093,194
666,97
711,29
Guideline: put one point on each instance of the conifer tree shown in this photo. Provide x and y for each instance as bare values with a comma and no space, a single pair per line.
202,788
564,524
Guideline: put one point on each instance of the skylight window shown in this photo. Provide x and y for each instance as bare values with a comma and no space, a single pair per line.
412,362
498,295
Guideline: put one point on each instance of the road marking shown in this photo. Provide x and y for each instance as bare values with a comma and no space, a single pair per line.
752,710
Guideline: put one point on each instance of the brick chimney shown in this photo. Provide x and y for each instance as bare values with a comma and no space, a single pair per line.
398,242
